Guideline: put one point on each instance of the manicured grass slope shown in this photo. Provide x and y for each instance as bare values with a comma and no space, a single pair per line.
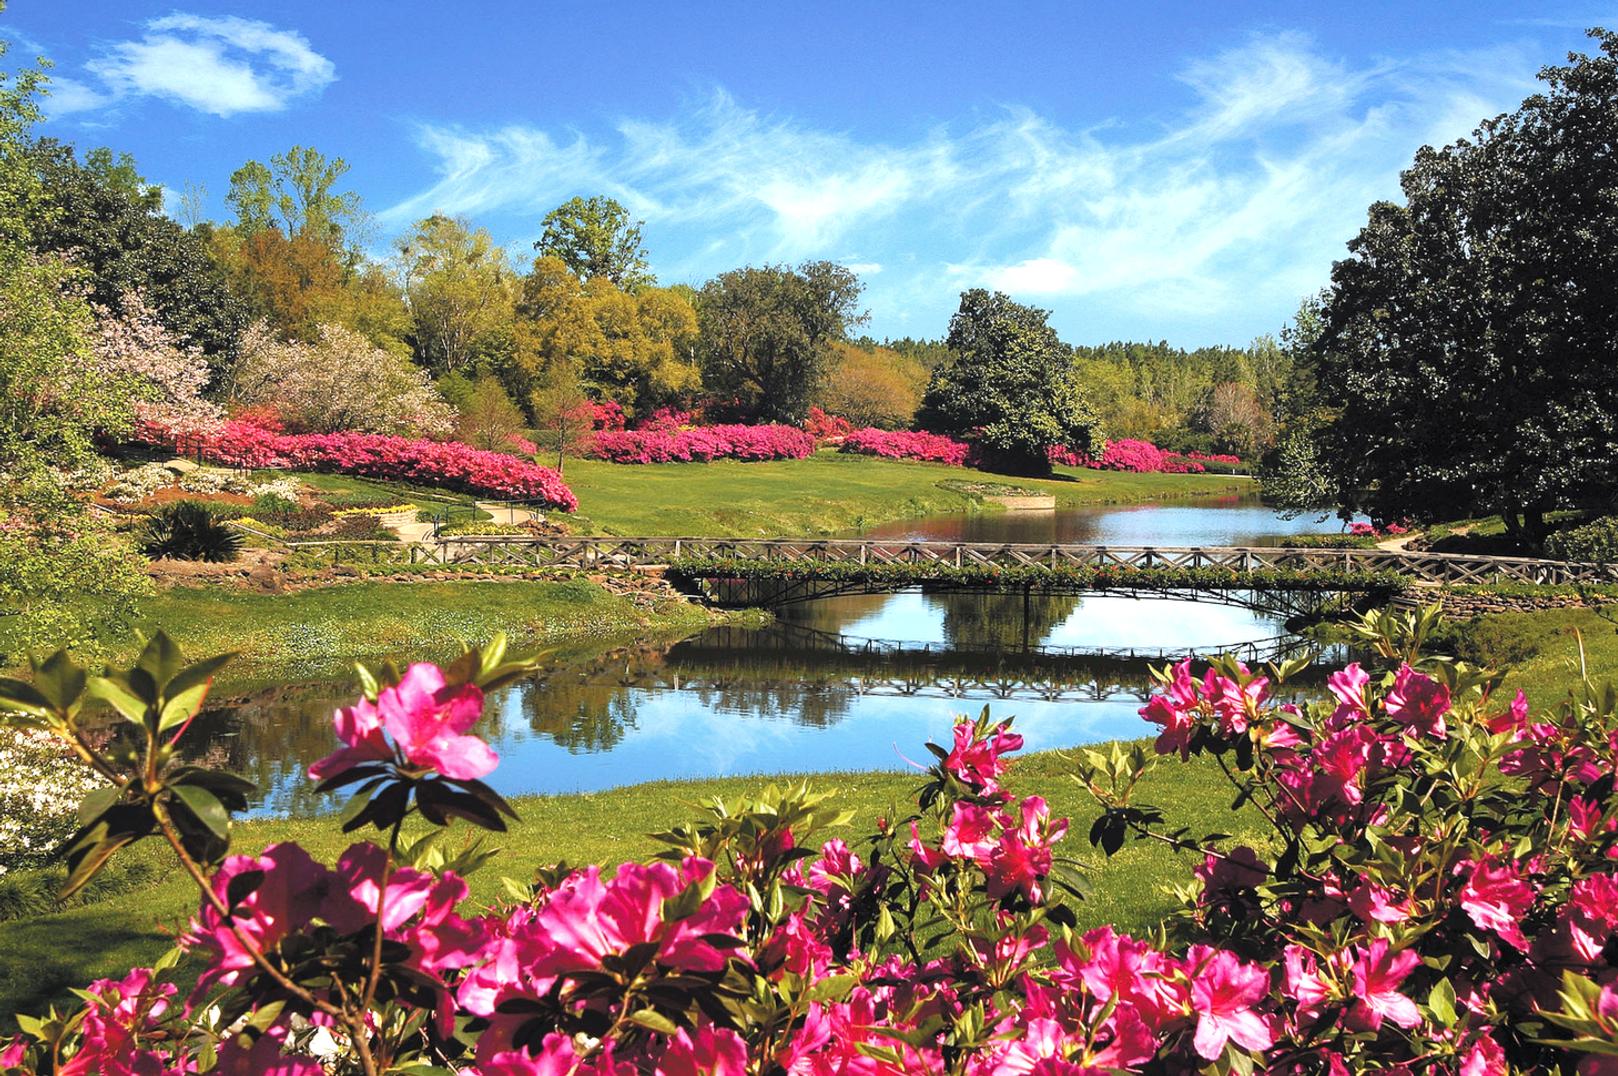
310,632
828,493
44,956
1541,649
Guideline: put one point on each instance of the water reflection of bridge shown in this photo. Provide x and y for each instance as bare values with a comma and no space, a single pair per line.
797,638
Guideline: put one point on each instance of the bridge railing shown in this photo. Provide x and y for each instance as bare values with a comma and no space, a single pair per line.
611,552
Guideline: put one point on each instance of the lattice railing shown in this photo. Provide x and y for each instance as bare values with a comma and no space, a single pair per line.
605,553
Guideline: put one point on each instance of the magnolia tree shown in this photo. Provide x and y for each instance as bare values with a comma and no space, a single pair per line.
342,381
1435,894
165,379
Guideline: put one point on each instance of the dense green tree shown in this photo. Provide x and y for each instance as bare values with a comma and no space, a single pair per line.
487,418
595,237
1011,385
1469,337
767,334
110,222
461,290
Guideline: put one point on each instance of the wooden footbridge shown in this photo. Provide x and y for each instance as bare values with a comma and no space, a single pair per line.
781,570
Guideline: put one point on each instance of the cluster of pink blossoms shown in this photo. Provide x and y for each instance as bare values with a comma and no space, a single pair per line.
907,445
703,443
248,443
1140,457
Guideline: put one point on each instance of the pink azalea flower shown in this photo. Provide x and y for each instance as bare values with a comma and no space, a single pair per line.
711,1052
1485,1058
1177,726
1375,904
1418,702
1304,983
426,721
1224,993
1378,971
1496,897
971,833
1348,685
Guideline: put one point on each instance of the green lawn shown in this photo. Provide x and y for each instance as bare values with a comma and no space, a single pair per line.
313,633
1540,649
828,493
46,955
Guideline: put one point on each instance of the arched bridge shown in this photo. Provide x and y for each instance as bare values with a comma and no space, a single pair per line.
773,571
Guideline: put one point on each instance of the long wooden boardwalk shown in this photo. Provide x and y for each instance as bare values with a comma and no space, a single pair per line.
608,553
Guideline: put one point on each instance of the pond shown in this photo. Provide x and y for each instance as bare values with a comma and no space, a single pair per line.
848,683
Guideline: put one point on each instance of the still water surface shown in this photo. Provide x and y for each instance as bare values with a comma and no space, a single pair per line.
851,683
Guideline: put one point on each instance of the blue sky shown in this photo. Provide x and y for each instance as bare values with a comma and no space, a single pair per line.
1153,170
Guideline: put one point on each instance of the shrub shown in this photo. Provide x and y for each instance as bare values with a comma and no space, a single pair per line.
1595,541
434,463
187,530
824,427
704,443
41,784
1143,457
1436,893
907,445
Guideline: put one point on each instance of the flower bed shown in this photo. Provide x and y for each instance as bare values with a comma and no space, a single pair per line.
703,443
907,445
1143,457
1435,892
449,464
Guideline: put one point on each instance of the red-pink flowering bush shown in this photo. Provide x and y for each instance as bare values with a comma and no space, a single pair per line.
907,445
606,416
1436,893
704,443
667,420
241,443
827,428
1139,456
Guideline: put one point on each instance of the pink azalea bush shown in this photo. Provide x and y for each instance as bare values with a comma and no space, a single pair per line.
704,443
907,445
245,442
826,428
1435,891
1140,457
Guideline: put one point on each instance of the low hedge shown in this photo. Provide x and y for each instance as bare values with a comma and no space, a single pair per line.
1595,541
1067,576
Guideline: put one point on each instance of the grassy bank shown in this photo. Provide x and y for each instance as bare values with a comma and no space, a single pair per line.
46,955
828,493
321,631
1541,649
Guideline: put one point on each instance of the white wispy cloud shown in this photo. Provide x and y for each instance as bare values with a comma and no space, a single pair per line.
219,65
1235,203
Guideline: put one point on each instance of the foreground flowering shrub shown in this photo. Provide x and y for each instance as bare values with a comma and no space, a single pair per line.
703,443
1436,893
907,445
244,443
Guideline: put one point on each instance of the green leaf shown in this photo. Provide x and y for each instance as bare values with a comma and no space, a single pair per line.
22,697
1441,1002
653,1020
161,659
207,809
120,697
832,988
60,680
95,803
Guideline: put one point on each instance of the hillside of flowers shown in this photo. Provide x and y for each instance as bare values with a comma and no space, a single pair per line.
1436,893
701,444
258,444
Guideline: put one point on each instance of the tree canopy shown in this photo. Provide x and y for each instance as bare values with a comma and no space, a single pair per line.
1468,344
595,237
767,334
1010,382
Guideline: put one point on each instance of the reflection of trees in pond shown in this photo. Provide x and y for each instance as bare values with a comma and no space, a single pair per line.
1001,621
585,718
834,614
